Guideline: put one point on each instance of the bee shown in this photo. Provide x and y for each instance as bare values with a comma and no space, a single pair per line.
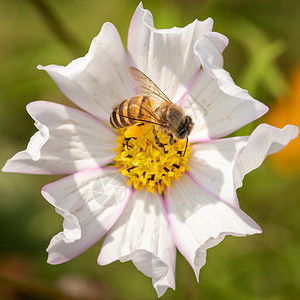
152,106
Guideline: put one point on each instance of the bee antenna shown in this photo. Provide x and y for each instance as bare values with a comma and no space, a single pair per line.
186,143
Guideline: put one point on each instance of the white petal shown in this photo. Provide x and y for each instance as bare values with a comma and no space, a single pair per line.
165,55
141,234
211,166
98,81
264,140
199,221
217,104
90,202
68,140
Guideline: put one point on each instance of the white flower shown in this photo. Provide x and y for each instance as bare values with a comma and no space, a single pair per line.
200,208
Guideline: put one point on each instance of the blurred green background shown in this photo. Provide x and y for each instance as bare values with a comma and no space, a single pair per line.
263,56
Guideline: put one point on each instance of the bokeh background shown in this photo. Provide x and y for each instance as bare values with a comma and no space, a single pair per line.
263,56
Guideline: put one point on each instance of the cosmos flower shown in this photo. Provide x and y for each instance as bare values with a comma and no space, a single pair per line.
172,201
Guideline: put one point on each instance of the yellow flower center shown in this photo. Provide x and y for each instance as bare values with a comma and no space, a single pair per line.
145,163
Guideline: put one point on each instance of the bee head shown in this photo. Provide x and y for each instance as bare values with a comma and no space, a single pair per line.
185,128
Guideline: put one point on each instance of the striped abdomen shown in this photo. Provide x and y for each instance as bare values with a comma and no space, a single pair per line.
130,111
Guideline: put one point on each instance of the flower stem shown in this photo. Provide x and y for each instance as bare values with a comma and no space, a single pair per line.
57,27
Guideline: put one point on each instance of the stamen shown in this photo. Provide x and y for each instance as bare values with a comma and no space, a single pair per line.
147,164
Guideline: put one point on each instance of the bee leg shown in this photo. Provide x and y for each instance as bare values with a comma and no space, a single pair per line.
186,143
159,144
171,141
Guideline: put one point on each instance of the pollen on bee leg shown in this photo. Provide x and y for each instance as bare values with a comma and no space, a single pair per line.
147,164
133,131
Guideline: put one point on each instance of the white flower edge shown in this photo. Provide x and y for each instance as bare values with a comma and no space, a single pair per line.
217,104
35,145
90,202
199,221
141,235
65,142
209,49
98,81
263,141
219,166
165,55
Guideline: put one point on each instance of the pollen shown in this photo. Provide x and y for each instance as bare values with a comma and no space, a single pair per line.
145,163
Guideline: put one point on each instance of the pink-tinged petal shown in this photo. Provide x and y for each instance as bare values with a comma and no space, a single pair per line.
199,221
90,202
211,167
68,140
98,81
264,140
141,235
165,55
217,104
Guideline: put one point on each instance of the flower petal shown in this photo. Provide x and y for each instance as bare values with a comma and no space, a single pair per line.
218,106
199,221
211,166
264,140
141,234
165,55
90,202
68,140
98,81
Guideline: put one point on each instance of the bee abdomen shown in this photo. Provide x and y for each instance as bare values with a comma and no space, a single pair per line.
114,120
128,112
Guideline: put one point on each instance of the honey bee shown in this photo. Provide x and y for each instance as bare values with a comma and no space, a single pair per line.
152,106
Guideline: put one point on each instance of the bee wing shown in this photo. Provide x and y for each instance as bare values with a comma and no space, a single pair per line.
146,87
146,114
